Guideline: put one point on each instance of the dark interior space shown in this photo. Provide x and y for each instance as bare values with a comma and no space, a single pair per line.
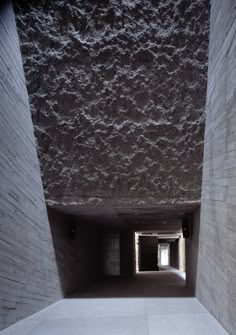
77,250
163,284
118,253
148,254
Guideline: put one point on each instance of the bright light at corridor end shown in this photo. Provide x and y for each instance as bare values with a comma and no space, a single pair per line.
154,250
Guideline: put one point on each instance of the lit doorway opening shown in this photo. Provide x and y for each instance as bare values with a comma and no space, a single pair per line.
164,254
159,252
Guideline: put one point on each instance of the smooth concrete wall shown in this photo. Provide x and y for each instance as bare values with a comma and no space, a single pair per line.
78,259
174,254
29,277
216,272
192,252
111,253
182,256
117,253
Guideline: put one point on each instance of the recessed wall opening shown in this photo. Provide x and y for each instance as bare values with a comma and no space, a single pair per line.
119,259
127,252
159,252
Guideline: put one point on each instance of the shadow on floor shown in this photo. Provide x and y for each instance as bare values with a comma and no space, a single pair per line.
145,284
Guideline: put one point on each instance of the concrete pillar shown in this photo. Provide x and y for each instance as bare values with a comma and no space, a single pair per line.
181,252
174,254
126,253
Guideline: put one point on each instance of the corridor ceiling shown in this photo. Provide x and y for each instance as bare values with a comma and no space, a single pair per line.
117,93
165,218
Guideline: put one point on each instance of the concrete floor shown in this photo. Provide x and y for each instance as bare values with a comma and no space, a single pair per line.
155,303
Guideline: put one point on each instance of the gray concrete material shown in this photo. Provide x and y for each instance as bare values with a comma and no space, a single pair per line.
174,254
164,217
127,253
192,246
117,93
215,271
182,254
78,260
29,278
185,324
94,314
111,253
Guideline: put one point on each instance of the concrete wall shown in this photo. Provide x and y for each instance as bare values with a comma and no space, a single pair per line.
192,253
182,256
174,254
29,277
111,253
78,260
216,275
127,253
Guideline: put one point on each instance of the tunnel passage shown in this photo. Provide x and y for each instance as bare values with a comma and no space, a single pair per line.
155,252
118,117
93,245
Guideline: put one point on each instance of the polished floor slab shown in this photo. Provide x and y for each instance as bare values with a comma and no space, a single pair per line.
150,304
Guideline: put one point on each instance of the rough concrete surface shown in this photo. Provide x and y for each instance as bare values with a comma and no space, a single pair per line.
117,94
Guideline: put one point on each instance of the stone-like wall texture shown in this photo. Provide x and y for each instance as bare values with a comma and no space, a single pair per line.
216,273
29,277
117,93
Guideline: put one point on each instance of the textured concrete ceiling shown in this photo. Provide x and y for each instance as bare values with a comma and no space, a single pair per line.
117,94
162,218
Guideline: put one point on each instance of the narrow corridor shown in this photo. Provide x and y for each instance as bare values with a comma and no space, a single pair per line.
149,304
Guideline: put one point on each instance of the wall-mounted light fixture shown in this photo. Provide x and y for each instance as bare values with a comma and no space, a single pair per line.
72,228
